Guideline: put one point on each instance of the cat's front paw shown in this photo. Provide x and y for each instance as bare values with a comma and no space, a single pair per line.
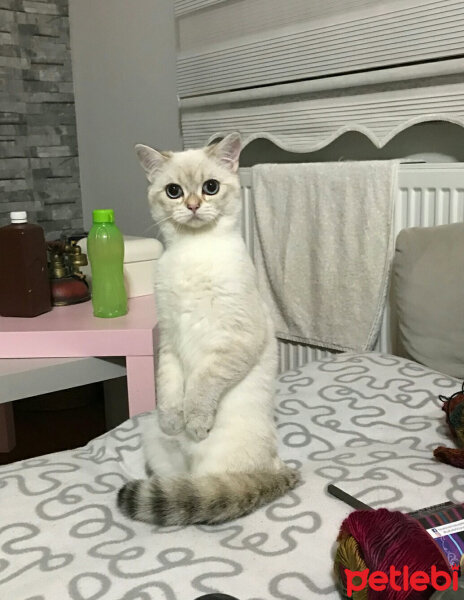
198,426
171,421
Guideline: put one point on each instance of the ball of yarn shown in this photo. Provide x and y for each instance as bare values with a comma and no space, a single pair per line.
454,409
379,539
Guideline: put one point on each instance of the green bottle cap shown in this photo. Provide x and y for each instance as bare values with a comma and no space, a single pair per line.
105,215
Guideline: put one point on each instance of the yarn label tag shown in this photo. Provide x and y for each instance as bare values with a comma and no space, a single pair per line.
445,524
447,529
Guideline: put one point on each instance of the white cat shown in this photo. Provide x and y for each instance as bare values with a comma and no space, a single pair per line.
211,447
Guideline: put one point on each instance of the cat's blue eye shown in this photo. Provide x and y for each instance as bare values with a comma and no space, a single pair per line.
173,190
211,187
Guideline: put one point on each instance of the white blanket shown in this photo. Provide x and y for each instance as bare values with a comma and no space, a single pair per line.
367,423
323,249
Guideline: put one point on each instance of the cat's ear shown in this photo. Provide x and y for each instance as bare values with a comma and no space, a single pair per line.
150,159
227,151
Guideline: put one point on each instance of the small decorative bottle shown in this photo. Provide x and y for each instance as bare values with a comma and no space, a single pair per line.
24,283
105,247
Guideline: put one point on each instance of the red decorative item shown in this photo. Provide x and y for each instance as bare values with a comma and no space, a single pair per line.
69,290
67,282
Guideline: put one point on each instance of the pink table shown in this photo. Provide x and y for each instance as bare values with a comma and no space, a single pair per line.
73,331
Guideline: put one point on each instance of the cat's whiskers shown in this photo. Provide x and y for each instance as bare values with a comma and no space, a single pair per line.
162,220
177,227
149,228
153,225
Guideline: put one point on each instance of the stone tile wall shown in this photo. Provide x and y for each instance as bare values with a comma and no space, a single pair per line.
39,168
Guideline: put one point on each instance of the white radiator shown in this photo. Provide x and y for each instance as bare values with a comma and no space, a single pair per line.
428,194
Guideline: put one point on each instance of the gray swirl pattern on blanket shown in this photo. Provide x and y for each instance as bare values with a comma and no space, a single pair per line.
367,422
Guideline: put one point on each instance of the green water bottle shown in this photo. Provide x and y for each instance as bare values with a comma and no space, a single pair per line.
105,247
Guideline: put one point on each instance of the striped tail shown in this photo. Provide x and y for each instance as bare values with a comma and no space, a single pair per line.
209,499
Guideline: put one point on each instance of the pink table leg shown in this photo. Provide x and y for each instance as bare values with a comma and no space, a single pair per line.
7,428
140,384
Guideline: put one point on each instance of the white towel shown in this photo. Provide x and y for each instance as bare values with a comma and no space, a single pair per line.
323,248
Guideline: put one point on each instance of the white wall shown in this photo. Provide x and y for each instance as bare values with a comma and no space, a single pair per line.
123,58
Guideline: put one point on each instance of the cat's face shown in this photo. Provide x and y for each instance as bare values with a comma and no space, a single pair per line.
194,188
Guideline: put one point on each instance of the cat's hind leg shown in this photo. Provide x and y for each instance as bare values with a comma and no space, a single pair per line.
165,455
165,459
170,392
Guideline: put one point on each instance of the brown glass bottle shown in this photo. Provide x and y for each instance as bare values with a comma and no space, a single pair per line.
24,282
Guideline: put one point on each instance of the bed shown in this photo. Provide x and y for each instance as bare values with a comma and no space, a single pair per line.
366,422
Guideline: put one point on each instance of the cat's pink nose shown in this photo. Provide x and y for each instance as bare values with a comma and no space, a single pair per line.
193,207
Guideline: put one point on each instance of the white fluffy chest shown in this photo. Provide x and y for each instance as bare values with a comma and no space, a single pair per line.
184,284
196,288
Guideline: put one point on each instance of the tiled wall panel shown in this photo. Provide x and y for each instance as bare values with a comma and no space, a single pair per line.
39,170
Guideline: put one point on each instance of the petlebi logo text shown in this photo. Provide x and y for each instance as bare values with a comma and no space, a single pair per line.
401,580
